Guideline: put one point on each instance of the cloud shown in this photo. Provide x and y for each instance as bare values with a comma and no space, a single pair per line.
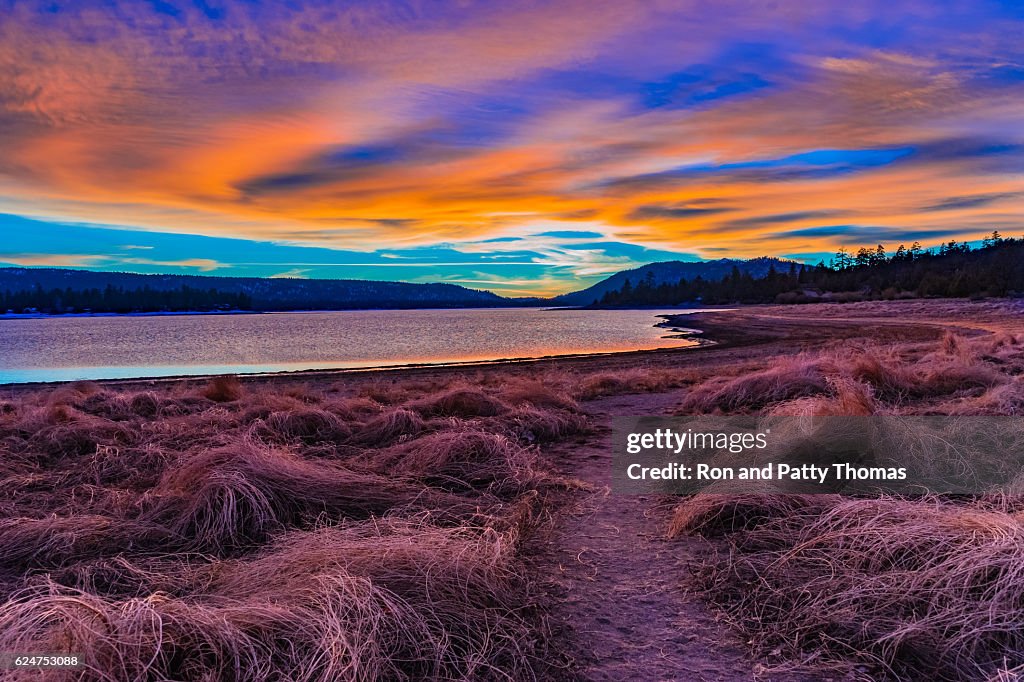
780,218
570,234
970,201
366,127
809,165
50,260
294,273
200,264
868,234
674,212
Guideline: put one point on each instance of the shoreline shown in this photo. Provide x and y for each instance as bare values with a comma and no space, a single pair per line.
670,324
720,336
375,369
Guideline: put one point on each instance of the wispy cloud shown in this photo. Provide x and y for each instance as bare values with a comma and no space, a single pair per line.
378,127
56,260
200,264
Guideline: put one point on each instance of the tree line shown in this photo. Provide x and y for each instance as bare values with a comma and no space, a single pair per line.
954,269
114,299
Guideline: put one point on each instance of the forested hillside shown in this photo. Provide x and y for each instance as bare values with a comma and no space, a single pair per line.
996,268
55,291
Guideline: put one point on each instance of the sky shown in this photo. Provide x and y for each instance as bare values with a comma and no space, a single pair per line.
526,147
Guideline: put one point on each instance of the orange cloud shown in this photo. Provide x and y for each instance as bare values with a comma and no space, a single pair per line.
253,124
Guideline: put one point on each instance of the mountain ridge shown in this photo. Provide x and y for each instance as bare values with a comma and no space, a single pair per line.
265,293
670,272
280,293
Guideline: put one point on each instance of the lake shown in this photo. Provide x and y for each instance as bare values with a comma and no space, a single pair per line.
72,348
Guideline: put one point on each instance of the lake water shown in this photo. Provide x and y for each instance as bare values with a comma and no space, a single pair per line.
71,348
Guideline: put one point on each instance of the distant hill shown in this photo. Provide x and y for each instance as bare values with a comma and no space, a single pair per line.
129,291
954,269
670,272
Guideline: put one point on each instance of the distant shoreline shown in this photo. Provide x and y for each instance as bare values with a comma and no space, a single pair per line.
179,313
168,313
176,313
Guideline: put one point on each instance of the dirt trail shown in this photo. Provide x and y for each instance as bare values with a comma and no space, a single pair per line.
619,582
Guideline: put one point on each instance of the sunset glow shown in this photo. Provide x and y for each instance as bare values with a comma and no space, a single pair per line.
522,147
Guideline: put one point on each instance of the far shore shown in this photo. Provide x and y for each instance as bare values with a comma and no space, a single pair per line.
179,313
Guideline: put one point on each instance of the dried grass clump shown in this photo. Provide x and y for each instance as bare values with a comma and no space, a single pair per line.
395,425
520,391
352,409
530,425
73,394
715,514
121,406
899,380
920,589
61,431
120,576
339,604
308,425
237,495
890,378
1007,400
466,457
957,347
182,406
223,389
460,402
54,541
945,380
849,398
145,404
136,468
600,384
789,380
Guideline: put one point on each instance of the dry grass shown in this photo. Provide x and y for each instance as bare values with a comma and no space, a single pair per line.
307,425
239,495
650,380
907,589
790,379
957,375
461,457
372,601
224,389
228,531
531,425
847,398
460,402
715,514
914,589
395,425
